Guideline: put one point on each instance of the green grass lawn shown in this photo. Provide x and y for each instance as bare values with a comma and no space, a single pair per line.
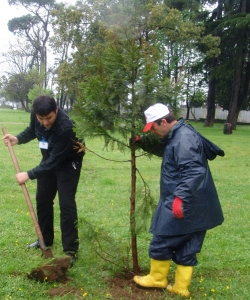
223,271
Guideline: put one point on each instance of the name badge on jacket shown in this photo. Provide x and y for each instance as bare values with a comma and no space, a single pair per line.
43,144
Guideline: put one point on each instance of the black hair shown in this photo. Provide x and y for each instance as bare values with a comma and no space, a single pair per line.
169,118
44,105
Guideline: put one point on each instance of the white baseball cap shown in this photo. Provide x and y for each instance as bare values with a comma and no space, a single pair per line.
154,113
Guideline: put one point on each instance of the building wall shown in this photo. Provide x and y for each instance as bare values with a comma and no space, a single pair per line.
201,113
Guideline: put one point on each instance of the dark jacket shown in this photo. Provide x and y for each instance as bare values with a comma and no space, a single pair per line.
185,173
60,138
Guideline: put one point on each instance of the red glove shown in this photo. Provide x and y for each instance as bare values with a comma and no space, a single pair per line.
177,208
135,140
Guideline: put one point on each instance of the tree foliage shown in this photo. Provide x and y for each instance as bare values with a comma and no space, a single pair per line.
35,28
228,74
19,58
37,89
128,55
16,88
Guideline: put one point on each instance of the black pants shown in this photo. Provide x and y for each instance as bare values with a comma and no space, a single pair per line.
182,249
63,180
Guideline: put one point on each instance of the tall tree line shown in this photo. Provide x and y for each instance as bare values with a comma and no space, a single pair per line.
215,64
228,74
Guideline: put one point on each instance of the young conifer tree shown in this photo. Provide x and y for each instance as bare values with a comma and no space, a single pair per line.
117,73
118,86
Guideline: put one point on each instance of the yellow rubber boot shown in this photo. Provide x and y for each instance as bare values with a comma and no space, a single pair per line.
183,277
157,278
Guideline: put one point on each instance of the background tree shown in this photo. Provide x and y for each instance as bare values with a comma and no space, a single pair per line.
181,54
228,75
35,28
239,25
67,21
18,59
37,89
16,88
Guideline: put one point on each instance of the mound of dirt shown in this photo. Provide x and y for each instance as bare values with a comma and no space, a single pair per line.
55,270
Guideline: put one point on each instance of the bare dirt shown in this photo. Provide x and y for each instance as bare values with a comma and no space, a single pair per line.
120,288
63,291
55,270
126,288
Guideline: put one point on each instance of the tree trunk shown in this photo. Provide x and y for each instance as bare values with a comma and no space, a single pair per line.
244,89
209,122
187,115
25,105
132,212
239,75
212,83
232,113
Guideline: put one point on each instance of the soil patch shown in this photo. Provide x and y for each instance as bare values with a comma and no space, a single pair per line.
63,291
126,288
121,287
53,271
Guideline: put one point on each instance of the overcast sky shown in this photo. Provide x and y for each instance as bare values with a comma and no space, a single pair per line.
8,12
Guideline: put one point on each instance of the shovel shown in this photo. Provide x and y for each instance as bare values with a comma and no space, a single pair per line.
46,252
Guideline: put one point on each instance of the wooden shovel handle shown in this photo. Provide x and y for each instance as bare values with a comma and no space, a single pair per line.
26,195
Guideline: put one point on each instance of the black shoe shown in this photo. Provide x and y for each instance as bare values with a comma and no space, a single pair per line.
34,245
73,257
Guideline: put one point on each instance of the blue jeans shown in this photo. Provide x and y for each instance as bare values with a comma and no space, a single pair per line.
181,249
63,180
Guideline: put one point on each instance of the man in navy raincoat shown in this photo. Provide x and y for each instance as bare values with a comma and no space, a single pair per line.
188,205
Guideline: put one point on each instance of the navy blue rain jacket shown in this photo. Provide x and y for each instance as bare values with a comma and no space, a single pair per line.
185,173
